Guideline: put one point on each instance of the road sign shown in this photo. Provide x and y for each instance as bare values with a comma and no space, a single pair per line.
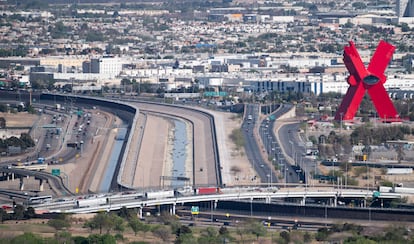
195,210
215,94
56,172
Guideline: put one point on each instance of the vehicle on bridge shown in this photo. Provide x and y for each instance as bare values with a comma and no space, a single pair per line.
188,191
206,190
39,200
90,202
32,166
159,194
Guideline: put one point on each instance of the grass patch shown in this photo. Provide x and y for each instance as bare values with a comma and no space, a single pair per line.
237,137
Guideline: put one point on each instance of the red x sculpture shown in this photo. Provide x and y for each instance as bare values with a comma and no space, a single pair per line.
369,79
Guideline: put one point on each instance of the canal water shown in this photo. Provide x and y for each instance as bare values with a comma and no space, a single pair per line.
179,153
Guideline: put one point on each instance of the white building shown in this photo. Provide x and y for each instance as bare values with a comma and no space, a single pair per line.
107,65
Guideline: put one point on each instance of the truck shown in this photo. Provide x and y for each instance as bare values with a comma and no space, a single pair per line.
206,190
91,202
153,195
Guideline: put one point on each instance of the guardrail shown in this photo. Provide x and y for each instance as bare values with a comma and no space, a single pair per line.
126,201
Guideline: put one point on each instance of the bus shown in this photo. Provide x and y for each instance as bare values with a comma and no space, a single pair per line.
39,199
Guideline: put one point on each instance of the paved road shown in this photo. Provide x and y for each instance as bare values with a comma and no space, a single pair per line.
253,149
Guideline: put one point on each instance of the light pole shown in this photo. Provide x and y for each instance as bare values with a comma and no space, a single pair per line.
268,180
366,163
286,170
271,180
346,174
67,178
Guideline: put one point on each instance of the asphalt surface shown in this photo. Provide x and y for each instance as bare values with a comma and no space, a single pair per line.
252,148
296,149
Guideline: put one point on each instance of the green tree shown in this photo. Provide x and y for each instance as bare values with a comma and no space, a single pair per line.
126,81
405,27
104,239
80,240
307,237
29,213
100,221
322,234
127,213
18,212
256,228
63,237
400,152
27,238
3,108
94,36
3,215
162,231
184,235
136,225
285,236
240,230
118,223
27,140
59,30
209,235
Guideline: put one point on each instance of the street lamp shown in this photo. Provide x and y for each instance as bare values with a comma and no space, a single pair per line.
286,170
268,179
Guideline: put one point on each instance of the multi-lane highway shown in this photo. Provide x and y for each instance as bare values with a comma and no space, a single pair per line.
206,164
272,145
55,182
253,150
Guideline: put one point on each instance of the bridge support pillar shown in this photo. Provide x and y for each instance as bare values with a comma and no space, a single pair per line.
335,203
41,185
21,184
215,204
140,212
11,176
303,201
172,210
